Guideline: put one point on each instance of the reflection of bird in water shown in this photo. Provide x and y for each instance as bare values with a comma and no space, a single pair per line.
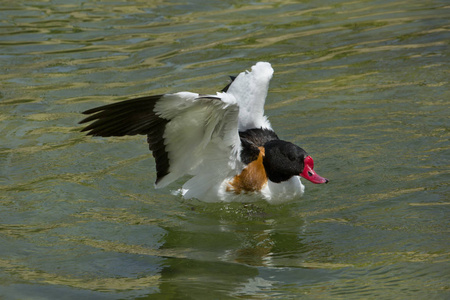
266,234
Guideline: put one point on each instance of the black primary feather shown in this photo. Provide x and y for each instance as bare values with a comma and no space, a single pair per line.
225,89
131,117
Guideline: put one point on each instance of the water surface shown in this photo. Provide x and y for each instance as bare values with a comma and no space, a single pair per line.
361,85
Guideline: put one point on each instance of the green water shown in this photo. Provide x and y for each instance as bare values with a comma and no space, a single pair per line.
361,85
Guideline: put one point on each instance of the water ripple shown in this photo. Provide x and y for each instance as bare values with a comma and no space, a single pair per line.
361,85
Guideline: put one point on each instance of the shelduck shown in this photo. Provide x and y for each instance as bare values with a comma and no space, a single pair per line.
224,142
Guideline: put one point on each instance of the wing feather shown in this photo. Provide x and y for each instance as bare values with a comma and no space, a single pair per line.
185,130
250,90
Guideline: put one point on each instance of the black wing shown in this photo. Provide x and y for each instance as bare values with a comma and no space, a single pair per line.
132,117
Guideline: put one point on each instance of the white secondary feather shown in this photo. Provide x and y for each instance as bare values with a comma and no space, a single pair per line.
201,140
250,90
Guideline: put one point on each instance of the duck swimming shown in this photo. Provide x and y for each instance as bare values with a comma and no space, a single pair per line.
223,141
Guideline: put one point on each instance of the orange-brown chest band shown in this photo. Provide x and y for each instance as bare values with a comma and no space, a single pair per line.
252,178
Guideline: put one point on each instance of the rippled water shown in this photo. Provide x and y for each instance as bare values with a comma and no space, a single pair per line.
361,85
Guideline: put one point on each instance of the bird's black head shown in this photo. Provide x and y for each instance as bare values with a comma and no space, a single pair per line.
283,160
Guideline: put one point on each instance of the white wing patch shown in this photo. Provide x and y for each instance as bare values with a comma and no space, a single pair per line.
250,90
201,139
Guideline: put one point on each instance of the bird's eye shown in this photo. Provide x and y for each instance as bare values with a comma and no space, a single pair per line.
310,173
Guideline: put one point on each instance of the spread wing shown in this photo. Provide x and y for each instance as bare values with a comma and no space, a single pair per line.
186,131
250,90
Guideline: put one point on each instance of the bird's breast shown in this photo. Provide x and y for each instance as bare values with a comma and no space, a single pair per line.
252,178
